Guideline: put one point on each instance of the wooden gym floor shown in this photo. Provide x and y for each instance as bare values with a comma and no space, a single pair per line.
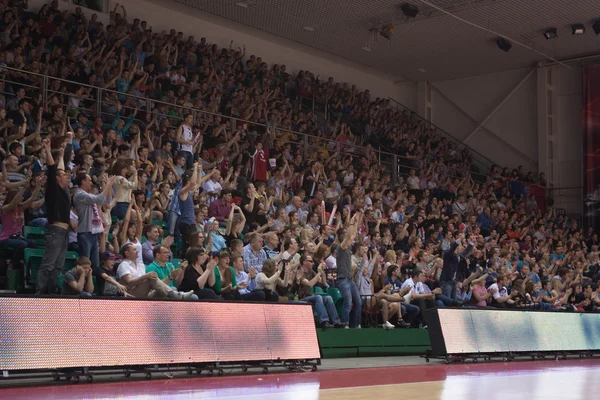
544,380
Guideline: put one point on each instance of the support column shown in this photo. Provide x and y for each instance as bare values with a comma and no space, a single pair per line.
424,104
547,95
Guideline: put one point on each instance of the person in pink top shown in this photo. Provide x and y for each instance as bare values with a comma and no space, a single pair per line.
12,222
480,294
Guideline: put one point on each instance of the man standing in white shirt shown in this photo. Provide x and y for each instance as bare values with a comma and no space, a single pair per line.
141,284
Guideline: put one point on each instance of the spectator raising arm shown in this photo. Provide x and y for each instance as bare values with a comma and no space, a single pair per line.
355,222
190,185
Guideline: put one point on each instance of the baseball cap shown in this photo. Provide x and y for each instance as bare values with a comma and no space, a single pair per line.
107,255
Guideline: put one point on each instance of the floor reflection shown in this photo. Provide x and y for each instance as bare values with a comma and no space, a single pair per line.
552,383
546,380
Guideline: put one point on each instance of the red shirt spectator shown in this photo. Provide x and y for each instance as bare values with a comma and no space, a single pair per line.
259,164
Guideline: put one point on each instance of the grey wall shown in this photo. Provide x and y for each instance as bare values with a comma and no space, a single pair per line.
509,137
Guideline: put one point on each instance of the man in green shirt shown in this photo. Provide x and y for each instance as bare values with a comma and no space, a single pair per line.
164,269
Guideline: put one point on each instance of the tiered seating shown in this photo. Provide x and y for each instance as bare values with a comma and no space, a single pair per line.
33,260
234,100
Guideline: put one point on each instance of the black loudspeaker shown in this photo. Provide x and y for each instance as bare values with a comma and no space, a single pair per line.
596,27
578,29
503,44
409,10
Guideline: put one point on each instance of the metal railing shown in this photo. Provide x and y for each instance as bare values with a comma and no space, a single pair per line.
571,199
319,107
105,101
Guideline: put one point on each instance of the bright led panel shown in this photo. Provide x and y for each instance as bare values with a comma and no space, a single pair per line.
40,333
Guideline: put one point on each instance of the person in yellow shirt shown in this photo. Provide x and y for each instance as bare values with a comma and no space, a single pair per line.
143,153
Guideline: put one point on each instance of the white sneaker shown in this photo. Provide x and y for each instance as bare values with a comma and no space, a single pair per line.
387,325
189,295
182,295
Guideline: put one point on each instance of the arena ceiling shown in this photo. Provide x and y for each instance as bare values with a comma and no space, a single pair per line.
433,46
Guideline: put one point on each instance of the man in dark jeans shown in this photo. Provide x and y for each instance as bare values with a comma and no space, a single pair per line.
58,207
90,223
345,283
451,272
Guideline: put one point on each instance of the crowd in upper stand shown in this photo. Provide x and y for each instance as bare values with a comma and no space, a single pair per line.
195,154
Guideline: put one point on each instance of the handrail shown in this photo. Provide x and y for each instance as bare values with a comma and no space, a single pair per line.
146,99
485,166
383,157
445,133
564,188
315,99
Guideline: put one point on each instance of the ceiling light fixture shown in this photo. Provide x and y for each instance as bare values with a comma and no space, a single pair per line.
387,31
422,70
503,44
366,48
309,28
410,10
242,4
551,34
578,29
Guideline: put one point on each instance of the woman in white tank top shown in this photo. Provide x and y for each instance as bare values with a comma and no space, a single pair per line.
185,139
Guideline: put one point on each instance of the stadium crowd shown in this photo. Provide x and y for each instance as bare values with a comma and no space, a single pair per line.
179,169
